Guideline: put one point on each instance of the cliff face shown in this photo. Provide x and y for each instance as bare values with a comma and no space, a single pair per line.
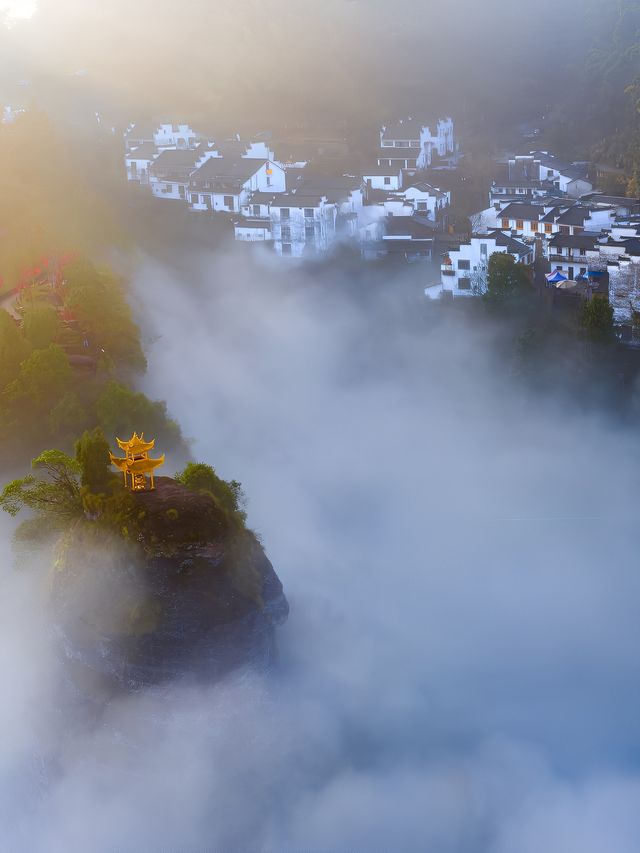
187,595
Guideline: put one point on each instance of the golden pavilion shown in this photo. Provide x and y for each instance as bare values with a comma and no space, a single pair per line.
136,464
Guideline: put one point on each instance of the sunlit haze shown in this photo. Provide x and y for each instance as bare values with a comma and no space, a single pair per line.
319,426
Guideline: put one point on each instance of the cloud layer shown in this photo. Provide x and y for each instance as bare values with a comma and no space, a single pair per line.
458,671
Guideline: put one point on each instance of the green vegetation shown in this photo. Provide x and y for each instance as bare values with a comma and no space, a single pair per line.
228,496
121,411
66,356
596,318
92,454
507,280
96,299
99,530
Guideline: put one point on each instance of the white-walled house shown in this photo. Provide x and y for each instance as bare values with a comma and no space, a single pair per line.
299,223
138,162
546,218
222,185
464,270
249,230
418,199
568,253
412,144
170,174
570,179
303,224
384,177
138,134
427,200
169,135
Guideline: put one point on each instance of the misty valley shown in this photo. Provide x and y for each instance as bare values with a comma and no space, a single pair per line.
319,426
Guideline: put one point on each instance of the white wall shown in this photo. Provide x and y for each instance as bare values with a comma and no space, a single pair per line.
176,190
252,235
323,224
600,220
473,255
391,182
270,178
574,187
175,136
138,169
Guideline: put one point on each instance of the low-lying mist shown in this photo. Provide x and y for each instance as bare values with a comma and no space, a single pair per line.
459,670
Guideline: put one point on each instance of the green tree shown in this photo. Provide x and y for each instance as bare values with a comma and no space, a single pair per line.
121,411
597,319
92,454
43,379
200,477
507,280
41,324
13,348
68,417
52,493
97,299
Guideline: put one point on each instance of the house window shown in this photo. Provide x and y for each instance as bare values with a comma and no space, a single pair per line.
228,201
422,205
464,265
194,198
564,229
268,179
464,284
387,182
207,200
286,248
505,223
519,225
548,228
483,250
168,188
182,191
256,210
309,232
308,212
534,226
286,232
285,213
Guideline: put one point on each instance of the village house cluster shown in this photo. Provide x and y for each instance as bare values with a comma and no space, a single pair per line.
298,202
541,208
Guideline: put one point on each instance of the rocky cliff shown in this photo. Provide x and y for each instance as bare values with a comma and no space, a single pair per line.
180,593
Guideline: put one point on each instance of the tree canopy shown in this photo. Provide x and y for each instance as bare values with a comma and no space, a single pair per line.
507,280
67,355
597,319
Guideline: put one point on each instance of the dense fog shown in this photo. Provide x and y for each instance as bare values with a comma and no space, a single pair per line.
265,64
458,669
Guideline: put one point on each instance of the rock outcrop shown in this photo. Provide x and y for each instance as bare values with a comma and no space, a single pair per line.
183,594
